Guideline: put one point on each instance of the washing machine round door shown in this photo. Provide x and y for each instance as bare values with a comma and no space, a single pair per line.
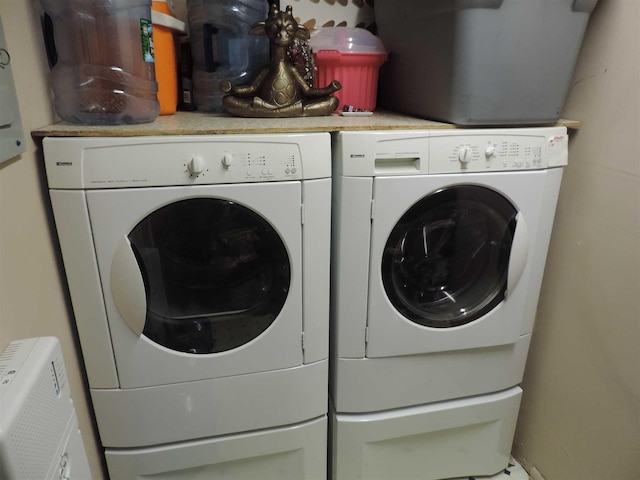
216,274
445,262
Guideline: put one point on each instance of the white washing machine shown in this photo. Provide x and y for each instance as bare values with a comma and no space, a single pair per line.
198,273
440,241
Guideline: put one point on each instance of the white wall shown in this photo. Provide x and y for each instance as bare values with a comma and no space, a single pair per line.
33,301
580,417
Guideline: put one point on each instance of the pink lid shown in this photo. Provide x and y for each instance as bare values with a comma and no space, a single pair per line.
345,40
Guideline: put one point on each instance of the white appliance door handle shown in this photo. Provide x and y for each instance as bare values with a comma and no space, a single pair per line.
127,287
519,253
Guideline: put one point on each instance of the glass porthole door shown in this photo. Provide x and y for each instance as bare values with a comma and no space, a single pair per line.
200,282
445,262
450,262
216,274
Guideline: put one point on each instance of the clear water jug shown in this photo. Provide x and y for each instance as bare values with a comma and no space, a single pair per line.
222,48
101,57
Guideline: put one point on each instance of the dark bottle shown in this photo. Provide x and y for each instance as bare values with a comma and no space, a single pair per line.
186,101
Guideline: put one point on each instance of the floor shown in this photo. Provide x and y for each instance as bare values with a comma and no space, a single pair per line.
513,472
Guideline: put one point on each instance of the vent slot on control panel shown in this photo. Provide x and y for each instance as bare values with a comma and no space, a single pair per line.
397,165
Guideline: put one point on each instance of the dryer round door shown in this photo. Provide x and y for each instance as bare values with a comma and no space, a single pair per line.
216,274
450,261
445,262
201,282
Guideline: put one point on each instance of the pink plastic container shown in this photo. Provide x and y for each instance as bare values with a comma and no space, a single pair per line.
352,56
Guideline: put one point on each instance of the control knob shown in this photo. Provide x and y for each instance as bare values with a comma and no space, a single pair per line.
195,166
464,156
489,152
227,160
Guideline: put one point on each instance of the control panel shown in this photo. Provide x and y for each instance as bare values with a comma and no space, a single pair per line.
185,160
478,153
11,134
241,163
460,150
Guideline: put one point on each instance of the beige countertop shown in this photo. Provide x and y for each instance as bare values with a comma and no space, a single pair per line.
195,123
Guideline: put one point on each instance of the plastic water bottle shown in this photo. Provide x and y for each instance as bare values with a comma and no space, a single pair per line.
222,48
101,58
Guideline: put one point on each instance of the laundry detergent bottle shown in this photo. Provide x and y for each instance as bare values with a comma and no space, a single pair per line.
222,48
102,60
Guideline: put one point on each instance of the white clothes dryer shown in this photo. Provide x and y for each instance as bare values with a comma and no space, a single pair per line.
439,246
198,273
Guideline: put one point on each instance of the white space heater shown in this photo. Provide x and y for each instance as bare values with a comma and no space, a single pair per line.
39,436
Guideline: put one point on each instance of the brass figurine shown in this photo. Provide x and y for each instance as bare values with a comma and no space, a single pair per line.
279,90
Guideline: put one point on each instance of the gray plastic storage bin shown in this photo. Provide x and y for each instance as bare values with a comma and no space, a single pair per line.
480,62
